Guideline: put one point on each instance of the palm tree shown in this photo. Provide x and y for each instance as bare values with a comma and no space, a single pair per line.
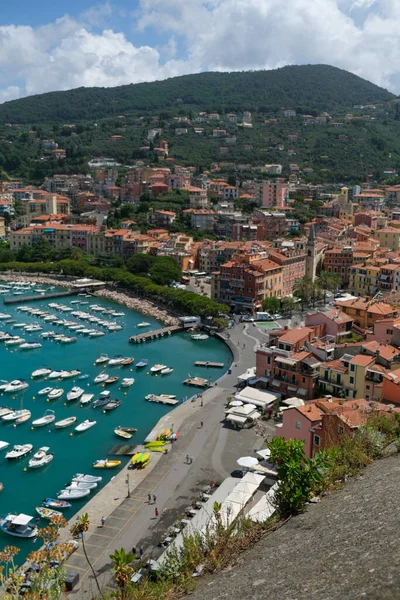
122,570
304,288
289,304
78,529
328,281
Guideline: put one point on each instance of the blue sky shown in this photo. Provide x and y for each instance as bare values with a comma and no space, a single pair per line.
50,45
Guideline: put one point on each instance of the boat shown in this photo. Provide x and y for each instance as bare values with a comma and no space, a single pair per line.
84,376
101,378
4,410
47,513
55,393
41,458
55,375
18,385
65,422
166,371
54,503
4,445
111,380
48,418
88,478
74,394
41,372
127,382
200,336
74,494
118,314
67,340
15,414
102,400
142,363
86,399
33,328
4,316
114,327
19,526
30,346
45,391
155,444
25,416
81,485
125,432
143,324
19,325
106,464
157,368
116,361
127,361
101,360
85,425
70,374
112,405
19,451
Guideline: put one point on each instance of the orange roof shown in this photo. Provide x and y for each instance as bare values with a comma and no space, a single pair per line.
295,335
362,360
310,411
386,351
335,365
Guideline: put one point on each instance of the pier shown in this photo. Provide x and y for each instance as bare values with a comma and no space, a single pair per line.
155,334
40,297
197,382
163,400
202,363
123,450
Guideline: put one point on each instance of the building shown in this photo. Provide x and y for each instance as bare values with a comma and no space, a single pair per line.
289,113
274,194
162,218
364,279
366,312
337,323
293,263
389,237
345,377
338,260
198,197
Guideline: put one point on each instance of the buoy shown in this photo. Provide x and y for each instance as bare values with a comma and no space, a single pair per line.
71,434
33,397
65,404
48,400
124,393
147,373
13,397
25,469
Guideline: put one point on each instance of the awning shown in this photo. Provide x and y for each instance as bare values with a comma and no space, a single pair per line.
302,392
254,380
276,383
236,419
292,388
286,361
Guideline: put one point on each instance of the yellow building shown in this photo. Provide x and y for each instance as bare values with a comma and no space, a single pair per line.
363,279
389,237
365,312
345,377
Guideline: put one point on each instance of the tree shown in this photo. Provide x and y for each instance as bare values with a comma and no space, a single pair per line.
122,571
289,304
271,304
328,282
140,263
165,270
303,288
78,530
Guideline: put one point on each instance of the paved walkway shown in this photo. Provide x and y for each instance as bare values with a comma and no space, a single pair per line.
214,449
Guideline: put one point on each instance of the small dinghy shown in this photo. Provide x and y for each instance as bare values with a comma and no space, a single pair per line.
142,363
74,494
22,526
111,380
66,422
116,361
157,368
127,361
125,432
53,503
55,393
4,445
166,371
74,394
127,382
87,478
4,410
112,405
101,378
48,418
106,464
86,399
41,458
41,372
102,360
45,391
143,324
102,400
81,485
85,425
55,375
19,451
25,416
47,513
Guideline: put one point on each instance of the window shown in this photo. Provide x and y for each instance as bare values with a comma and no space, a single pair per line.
326,374
351,380
367,387
269,360
389,331
317,440
352,368
298,425
303,380
338,379
341,430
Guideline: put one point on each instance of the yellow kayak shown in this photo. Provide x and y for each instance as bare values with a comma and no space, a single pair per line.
154,444
136,457
144,464
143,458
106,464
164,434
157,449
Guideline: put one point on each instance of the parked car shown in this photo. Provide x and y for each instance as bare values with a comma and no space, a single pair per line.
246,319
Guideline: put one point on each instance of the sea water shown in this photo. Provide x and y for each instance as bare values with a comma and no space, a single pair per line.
25,488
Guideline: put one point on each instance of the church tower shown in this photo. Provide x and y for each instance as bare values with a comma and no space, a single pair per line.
311,255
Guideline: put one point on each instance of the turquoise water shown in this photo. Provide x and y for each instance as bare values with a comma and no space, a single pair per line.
23,490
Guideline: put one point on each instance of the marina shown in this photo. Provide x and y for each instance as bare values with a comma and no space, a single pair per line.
154,334
65,370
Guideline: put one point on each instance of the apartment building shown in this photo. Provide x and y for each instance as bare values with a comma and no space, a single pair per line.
338,260
293,265
274,194
345,377
366,312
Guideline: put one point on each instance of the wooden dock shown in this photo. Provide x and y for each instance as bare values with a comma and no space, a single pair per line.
202,363
39,297
155,334
123,450
162,400
197,382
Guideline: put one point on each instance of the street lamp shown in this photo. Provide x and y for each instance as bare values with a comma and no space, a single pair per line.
127,483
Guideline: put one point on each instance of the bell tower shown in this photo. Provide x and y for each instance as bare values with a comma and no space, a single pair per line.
311,255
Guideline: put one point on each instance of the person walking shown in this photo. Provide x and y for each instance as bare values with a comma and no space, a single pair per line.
156,511
188,459
141,551
102,520
149,498
201,402
134,551
154,498
201,423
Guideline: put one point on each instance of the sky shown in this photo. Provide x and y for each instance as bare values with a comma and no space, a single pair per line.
48,45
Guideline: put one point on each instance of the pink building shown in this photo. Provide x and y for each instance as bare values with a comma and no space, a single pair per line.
299,423
274,194
336,322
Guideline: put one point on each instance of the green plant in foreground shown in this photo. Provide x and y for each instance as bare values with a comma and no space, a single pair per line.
122,571
78,531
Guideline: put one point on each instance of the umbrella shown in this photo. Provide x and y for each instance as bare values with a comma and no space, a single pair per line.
247,461
265,453
253,406
236,403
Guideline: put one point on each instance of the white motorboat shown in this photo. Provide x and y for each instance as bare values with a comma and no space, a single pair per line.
87,478
118,314
48,418
74,394
127,382
143,324
21,526
114,327
41,372
55,393
47,335
94,334
4,410
41,458
47,513
18,325
157,368
101,378
4,316
4,445
19,451
14,341
199,336
45,391
67,340
30,346
116,361
85,425
23,417
33,328
79,485
75,494
16,414
166,371
70,374
86,399
55,375
65,422
102,360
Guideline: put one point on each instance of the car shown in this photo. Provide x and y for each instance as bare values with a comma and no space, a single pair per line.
247,319
238,473
277,316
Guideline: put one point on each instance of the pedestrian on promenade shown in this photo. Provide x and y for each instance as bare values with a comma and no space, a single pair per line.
134,551
201,403
154,498
149,498
187,460
201,423
141,551
102,520
156,512
244,346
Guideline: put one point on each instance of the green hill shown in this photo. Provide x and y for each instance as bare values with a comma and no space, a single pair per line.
308,87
